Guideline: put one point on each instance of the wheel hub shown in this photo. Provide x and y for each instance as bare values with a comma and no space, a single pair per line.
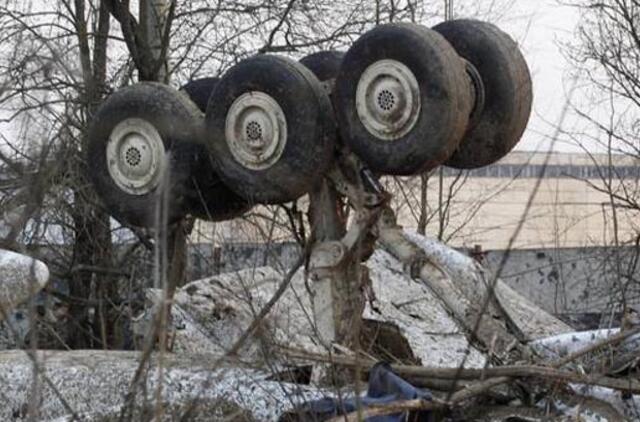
135,156
256,130
388,99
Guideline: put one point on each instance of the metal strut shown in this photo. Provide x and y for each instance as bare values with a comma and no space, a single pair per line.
334,265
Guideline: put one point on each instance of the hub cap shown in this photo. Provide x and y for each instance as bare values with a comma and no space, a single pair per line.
135,156
256,130
388,99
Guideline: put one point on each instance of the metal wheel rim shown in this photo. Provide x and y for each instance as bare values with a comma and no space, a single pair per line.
478,94
388,99
256,130
136,156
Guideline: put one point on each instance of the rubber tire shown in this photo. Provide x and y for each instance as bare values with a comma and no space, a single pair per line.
199,91
324,64
444,93
178,122
211,200
508,91
308,151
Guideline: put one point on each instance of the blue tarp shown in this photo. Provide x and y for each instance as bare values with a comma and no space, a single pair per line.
384,387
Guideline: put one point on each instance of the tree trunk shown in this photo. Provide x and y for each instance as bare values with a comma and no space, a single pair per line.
92,245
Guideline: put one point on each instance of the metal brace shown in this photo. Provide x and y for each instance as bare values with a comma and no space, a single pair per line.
356,182
366,196
329,259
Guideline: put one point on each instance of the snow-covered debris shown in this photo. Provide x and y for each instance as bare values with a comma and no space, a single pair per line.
472,279
610,360
627,406
209,316
95,383
434,337
223,306
20,278
565,344
186,335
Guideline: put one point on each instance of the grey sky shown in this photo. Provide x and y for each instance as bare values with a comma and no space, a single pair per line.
540,25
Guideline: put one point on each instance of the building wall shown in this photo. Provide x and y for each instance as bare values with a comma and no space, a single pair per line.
489,205
572,280
563,213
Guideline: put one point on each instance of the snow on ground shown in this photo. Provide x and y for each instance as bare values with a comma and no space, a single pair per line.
96,382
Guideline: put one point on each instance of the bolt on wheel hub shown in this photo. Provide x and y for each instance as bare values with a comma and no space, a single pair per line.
256,130
388,99
135,156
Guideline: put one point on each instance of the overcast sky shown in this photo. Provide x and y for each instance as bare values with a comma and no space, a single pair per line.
540,26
